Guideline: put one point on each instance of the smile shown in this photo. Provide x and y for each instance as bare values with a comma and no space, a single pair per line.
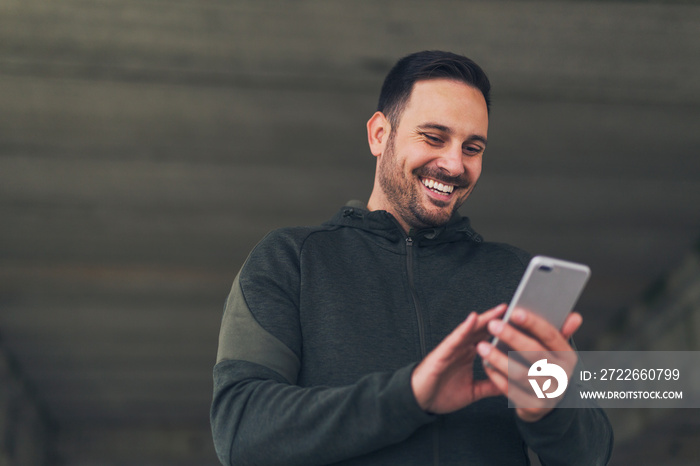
437,186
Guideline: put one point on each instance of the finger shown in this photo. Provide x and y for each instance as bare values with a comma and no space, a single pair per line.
466,327
484,318
571,325
459,335
515,387
485,389
500,362
517,390
473,329
498,379
488,316
544,334
494,360
511,336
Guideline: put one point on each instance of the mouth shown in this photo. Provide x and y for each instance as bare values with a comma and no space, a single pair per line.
437,186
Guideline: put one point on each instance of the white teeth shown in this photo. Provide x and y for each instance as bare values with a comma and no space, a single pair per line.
443,188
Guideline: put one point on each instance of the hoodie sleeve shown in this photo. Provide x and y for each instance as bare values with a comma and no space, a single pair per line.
259,415
580,435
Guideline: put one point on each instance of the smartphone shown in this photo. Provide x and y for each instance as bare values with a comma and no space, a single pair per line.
550,288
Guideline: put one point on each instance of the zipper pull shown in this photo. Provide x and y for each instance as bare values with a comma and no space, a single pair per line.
409,237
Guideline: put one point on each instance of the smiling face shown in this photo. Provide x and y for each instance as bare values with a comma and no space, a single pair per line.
430,163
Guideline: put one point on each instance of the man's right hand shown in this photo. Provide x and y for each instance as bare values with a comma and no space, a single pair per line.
444,381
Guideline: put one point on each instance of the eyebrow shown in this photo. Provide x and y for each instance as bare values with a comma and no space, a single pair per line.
448,130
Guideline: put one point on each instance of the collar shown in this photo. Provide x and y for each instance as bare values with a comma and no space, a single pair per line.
380,222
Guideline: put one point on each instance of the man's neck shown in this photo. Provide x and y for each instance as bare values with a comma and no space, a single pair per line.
375,204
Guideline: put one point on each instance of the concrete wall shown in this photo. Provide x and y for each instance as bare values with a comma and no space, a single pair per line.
667,318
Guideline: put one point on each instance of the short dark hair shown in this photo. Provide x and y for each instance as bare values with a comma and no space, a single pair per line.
428,64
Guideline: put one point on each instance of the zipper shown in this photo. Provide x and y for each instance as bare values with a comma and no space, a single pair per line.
414,296
421,336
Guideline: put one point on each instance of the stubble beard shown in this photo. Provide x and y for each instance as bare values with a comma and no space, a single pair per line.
404,194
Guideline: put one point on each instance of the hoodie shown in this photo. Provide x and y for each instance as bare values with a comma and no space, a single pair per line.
321,332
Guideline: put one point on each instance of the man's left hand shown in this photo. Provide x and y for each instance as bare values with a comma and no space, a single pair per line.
540,336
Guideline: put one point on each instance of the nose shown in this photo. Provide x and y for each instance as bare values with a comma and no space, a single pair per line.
452,161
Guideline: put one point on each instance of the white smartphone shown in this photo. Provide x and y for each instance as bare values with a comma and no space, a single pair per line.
550,288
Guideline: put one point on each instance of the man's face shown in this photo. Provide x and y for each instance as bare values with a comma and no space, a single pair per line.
432,161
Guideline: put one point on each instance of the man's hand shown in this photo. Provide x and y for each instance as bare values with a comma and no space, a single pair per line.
542,337
444,381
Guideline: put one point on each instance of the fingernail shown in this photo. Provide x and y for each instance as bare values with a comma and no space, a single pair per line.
518,316
495,326
483,349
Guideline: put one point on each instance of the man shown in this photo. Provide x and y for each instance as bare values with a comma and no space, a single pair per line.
347,343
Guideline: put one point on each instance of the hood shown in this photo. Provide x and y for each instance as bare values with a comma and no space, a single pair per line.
381,223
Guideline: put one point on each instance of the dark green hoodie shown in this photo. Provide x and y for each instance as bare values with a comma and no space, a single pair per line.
323,328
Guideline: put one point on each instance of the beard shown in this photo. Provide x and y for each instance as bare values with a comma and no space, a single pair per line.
406,195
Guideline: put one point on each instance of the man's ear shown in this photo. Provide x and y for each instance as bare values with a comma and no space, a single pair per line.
378,129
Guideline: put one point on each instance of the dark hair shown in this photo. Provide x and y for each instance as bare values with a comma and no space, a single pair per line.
429,64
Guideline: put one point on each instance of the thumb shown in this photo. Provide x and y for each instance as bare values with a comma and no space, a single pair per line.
571,325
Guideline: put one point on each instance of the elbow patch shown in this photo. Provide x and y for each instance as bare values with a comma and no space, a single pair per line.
242,338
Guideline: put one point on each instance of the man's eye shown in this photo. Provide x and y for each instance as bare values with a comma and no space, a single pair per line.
432,139
473,150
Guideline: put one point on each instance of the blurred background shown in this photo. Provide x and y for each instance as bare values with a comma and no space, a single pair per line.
147,145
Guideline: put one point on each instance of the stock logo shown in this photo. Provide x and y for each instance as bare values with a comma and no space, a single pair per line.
542,368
